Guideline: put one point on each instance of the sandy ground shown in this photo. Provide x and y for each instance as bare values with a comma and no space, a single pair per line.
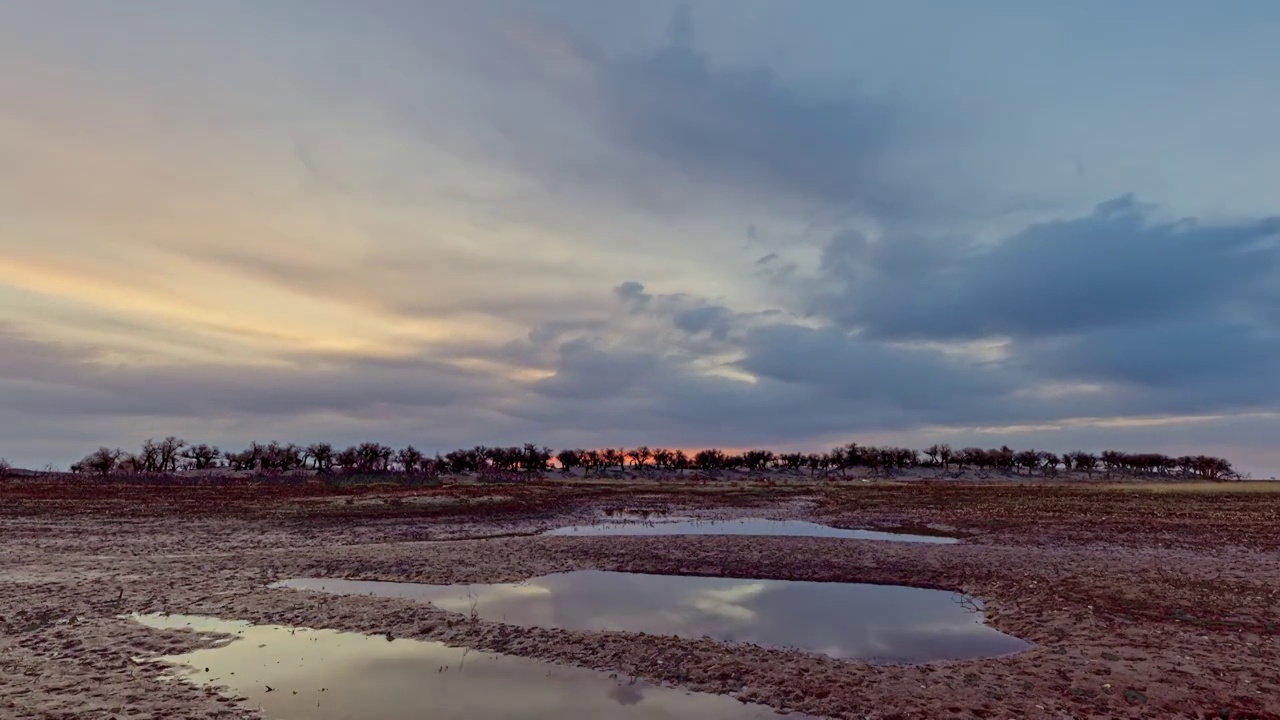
1142,604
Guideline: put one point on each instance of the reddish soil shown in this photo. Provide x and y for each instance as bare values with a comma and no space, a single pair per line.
1142,604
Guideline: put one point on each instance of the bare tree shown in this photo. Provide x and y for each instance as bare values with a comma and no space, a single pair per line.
838,458
347,459
933,451
367,457
945,455
970,457
640,456
663,458
1084,461
149,456
1048,461
570,459
321,454
680,461
288,457
1002,458
1028,459
1112,461
410,460
613,457
102,461
755,460
534,458
202,456
132,464
168,451
792,461
709,459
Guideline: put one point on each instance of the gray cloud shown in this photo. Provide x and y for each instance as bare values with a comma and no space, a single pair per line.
743,125
689,314
1195,365
646,125
850,368
807,383
715,320
1169,316
1117,267
587,373
632,292
47,378
662,399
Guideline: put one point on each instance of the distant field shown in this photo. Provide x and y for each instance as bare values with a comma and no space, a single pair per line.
1251,486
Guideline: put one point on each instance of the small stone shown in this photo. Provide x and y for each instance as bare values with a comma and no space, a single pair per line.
1134,697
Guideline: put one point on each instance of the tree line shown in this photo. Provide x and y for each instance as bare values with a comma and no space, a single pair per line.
173,455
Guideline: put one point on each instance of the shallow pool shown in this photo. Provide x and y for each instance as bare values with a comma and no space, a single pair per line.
874,623
641,525
302,674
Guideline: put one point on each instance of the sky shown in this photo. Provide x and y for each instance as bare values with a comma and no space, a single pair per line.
583,223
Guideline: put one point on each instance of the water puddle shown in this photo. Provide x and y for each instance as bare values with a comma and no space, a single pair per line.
873,623
303,674
664,525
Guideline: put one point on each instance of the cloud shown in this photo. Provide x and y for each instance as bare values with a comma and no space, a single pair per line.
581,224
1116,267
742,125
691,315
587,373
768,383
1168,316
53,378
715,320
783,385
1197,364
728,603
854,369
633,292
661,130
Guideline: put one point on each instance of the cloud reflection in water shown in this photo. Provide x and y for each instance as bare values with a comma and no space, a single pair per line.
879,623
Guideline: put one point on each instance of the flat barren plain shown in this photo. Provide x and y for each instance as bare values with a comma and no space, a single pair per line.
1141,600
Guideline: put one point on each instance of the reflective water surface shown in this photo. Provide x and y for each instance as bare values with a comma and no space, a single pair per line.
302,674
664,525
875,623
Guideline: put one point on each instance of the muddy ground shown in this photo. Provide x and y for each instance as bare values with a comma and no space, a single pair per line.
1141,604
